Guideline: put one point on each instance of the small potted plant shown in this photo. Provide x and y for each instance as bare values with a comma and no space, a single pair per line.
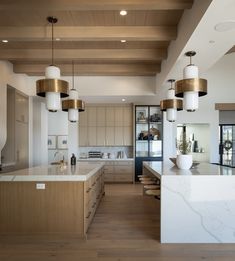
184,160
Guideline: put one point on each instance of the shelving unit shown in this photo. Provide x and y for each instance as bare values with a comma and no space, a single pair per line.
148,135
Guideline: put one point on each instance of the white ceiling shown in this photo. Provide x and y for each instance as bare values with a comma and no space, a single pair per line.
209,44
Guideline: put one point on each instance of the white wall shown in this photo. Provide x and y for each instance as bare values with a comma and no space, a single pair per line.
221,89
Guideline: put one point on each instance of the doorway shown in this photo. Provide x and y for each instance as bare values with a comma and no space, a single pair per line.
226,147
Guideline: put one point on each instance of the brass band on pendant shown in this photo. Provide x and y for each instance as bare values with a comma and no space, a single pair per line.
73,104
52,85
194,85
171,104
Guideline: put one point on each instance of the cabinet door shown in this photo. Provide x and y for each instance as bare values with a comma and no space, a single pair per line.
100,113
83,136
83,118
110,136
109,116
91,116
118,138
118,114
127,116
100,136
21,108
21,144
92,136
127,136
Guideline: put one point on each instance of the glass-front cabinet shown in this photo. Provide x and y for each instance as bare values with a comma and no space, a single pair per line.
148,135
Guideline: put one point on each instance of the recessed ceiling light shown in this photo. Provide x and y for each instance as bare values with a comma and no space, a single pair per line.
225,26
5,41
123,100
123,12
123,41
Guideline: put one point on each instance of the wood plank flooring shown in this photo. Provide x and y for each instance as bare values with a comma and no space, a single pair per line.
125,228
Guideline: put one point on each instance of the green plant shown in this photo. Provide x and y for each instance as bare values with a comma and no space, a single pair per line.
183,145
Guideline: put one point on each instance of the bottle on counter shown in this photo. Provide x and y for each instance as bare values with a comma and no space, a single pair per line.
73,159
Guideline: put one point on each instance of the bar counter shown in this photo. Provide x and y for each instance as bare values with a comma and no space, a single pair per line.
197,205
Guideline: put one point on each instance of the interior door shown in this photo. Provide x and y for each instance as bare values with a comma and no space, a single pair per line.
227,145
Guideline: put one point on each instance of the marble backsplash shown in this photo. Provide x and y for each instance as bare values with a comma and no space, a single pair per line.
83,151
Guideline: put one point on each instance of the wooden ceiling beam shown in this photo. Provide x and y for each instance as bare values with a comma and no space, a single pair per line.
89,33
92,69
84,54
67,5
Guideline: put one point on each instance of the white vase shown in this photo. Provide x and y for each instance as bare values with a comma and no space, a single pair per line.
184,161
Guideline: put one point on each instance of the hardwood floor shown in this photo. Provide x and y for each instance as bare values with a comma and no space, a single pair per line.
125,228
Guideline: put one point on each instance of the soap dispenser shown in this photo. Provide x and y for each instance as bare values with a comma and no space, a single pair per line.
73,159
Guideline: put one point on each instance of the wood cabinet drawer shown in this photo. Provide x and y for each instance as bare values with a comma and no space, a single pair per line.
122,169
123,163
108,169
123,178
109,177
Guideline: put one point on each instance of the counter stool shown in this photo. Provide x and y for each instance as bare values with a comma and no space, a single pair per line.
142,176
148,182
151,187
145,178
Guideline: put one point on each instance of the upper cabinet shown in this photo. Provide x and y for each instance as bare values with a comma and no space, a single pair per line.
106,126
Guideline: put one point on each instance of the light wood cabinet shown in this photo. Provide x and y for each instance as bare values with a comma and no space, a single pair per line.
66,207
101,116
21,107
118,171
106,126
118,136
127,116
93,192
118,116
83,137
100,136
110,136
15,152
127,136
83,118
92,139
91,116
110,116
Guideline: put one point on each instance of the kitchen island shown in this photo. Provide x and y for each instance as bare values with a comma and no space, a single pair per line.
197,205
54,199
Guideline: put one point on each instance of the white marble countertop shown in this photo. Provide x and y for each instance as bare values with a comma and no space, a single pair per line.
161,168
101,159
82,171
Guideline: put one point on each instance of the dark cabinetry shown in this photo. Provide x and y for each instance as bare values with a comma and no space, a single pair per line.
148,135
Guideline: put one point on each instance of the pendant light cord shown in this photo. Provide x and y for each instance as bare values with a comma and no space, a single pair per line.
52,43
73,74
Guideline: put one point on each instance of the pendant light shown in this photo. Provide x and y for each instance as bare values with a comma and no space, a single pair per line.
191,87
171,105
52,87
73,105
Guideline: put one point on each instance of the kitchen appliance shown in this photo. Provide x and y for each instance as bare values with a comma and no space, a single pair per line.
95,154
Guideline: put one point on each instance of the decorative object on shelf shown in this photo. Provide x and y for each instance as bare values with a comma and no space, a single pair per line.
52,87
171,105
191,87
154,134
141,116
51,142
184,160
62,142
73,105
155,118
